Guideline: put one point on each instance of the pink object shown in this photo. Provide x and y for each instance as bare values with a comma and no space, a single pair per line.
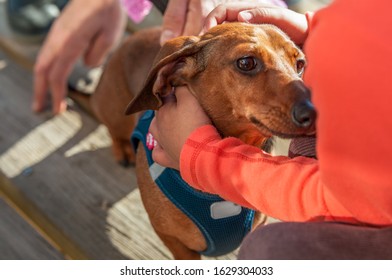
137,10
150,141
278,3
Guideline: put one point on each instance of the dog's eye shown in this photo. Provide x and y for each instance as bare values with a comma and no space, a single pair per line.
300,66
246,63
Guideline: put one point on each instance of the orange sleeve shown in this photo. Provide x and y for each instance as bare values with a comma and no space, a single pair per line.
348,72
349,54
284,188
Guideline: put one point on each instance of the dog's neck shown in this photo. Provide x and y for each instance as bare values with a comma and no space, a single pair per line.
230,124
242,129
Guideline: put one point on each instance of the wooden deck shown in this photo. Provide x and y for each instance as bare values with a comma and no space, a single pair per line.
61,194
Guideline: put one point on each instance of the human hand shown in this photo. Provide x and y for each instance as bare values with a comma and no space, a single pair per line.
87,28
294,24
186,17
179,116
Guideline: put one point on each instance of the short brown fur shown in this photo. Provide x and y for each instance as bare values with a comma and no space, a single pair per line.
252,106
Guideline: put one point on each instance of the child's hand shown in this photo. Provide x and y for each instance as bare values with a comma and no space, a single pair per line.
172,125
294,24
186,17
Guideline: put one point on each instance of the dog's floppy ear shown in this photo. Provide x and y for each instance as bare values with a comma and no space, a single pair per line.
164,74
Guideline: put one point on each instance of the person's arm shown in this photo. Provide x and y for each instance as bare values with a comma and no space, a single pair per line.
85,28
288,189
284,188
351,181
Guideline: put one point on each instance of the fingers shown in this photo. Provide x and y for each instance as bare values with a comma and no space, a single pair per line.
174,19
261,15
97,50
58,76
49,75
54,64
172,125
196,14
193,22
228,12
77,31
105,39
40,86
59,53
294,24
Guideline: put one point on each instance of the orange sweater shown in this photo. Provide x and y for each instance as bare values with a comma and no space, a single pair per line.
349,51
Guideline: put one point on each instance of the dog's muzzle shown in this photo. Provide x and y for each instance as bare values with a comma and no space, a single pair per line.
303,114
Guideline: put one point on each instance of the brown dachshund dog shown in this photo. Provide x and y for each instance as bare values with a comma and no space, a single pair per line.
246,77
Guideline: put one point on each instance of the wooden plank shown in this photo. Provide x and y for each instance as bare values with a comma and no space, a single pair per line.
63,166
31,214
18,240
72,175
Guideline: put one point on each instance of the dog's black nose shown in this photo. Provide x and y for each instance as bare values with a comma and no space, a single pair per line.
304,114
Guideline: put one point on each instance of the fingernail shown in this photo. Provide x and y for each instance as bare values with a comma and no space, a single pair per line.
246,16
167,35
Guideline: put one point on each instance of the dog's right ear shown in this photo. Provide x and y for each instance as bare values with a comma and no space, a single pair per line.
165,73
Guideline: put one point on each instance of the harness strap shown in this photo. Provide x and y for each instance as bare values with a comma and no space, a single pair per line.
222,223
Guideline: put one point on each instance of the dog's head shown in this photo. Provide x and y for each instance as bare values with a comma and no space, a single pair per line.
246,77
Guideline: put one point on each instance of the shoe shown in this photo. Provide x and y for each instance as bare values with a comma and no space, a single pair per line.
33,17
84,79
291,2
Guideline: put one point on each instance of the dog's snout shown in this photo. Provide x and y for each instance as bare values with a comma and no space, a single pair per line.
304,114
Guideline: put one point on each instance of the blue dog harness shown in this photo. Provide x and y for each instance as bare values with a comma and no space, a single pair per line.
222,223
